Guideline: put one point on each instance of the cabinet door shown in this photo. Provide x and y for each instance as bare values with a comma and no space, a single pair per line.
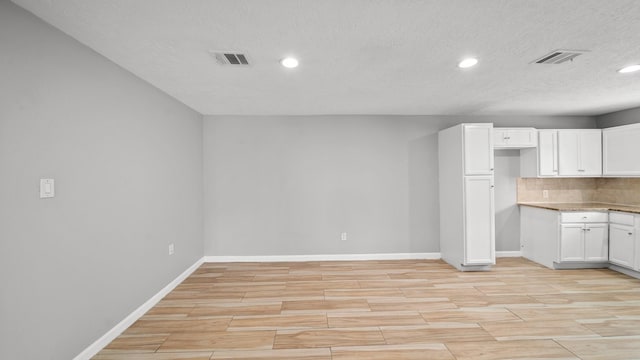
478,149
596,242
572,242
479,247
580,152
548,153
521,138
500,138
619,148
590,156
568,153
621,245
514,138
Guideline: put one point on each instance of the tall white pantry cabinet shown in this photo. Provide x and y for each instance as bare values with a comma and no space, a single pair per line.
467,217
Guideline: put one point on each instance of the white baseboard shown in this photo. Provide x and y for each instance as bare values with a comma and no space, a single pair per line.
105,339
508,254
331,257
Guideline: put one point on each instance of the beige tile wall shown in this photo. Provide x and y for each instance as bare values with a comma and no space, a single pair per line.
571,190
618,190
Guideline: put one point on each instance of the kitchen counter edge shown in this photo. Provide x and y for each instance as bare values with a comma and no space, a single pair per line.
583,207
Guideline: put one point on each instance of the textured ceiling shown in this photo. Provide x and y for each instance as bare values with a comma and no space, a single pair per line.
368,56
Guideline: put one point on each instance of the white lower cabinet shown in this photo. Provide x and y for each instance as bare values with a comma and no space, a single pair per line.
571,242
580,239
584,242
571,239
596,243
623,245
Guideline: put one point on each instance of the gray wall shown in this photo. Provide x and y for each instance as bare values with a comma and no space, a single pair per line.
624,117
291,185
127,160
507,171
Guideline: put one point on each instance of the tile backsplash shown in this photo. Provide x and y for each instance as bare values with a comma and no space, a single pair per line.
571,190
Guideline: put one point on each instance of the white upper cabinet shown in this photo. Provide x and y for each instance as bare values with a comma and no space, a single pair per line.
621,151
543,160
548,153
514,138
478,149
580,152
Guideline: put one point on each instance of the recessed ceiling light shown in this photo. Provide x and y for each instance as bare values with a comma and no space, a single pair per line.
289,62
630,68
467,63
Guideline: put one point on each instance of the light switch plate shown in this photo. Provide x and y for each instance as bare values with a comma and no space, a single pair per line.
47,188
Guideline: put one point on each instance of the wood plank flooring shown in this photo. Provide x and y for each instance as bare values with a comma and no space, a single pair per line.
406,309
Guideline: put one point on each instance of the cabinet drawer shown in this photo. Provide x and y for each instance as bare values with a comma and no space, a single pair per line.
621,218
584,217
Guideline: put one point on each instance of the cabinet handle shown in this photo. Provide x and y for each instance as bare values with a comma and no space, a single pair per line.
630,233
588,229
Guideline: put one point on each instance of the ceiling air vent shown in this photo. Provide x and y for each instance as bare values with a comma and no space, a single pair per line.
559,56
230,58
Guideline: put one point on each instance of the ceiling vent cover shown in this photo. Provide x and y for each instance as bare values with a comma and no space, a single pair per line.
559,56
230,58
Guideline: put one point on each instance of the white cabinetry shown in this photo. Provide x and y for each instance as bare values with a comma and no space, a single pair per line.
596,242
564,153
543,160
514,138
467,239
621,245
622,239
580,152
620,149
548,153
479,219
571,242
564,239
584,237
478,149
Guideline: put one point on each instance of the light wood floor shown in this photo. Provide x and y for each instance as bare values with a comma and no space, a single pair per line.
389,310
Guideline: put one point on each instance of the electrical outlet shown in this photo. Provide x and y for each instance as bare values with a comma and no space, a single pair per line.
171,249
343,236
545,194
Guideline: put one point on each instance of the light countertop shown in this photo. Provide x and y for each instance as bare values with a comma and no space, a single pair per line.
589,206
